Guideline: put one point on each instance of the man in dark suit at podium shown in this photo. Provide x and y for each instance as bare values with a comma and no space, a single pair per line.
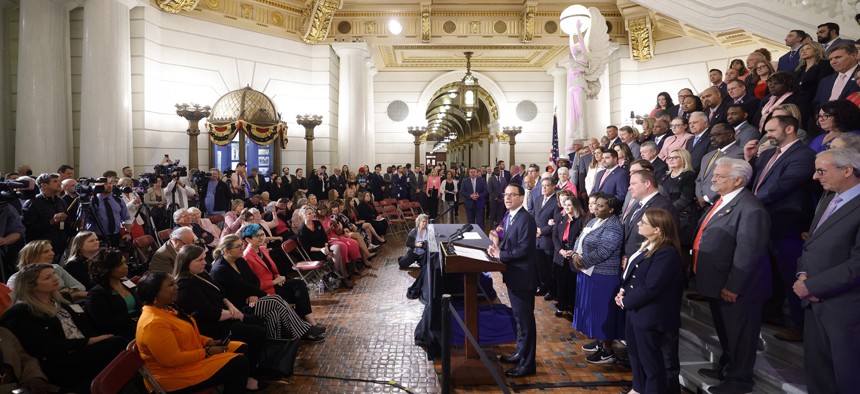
515,250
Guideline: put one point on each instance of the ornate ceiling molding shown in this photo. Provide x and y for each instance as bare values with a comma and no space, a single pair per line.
176,6
503,57
317,18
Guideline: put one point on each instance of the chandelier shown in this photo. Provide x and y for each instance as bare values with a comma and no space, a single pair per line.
468,89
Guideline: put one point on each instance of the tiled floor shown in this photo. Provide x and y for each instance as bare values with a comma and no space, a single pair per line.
370,338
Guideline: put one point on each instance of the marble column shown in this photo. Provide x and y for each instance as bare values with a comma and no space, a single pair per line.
562,107
43,130
352,101
106,133
368,154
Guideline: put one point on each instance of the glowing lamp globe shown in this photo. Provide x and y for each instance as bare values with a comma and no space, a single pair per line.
571,15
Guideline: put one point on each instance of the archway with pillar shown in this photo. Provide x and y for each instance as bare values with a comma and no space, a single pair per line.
474,139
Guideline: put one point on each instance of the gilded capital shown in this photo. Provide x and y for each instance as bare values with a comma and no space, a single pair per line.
176,6
425,23
641,39
316,19
528,24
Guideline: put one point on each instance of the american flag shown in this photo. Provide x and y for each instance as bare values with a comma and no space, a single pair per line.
553,158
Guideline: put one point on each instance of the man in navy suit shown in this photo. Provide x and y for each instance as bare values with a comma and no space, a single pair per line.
473,191
828,36
612,135
789,61
700,144
643,190
660,131
840,84
613,179
545,208
516,250
677,111
783,183
715,107
649,152
715,76
723,139
828,277
732,271
744,132
738,95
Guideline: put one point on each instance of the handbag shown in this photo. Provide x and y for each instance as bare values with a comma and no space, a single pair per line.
434,193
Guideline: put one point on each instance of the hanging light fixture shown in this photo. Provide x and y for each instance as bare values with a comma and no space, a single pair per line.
469,88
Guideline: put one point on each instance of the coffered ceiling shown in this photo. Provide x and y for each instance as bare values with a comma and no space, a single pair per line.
504,35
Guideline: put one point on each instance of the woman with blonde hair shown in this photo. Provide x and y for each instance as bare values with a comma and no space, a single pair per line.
57,332
593,168
811,69
84,248
679,186
41,251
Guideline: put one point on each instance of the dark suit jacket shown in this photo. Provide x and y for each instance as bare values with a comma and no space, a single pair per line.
660,166
733,251
258,184
222,196
109,312
613,142
675,111
661,142
517,251
831,259
337,183
615,184
632,239
703,180
810,79
651,288
43,338
466,191
698,151
822,94
787,189
542,217
750,103
204,303
558,234
719,114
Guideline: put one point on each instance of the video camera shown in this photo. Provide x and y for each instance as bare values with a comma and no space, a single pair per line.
201,178
90,186
170,171
8,189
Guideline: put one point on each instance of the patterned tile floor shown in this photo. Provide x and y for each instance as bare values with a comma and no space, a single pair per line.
370,337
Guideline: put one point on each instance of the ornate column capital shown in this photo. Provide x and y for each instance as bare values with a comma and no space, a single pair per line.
357,48
309,122
193,113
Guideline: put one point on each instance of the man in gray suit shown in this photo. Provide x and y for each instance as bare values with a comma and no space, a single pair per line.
722,138
732,270
628,136
828,279
737,115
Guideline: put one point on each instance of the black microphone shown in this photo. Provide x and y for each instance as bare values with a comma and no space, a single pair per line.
466,227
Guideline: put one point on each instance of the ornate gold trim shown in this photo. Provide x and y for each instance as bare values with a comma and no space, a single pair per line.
277,19
213,4
640,38
176,6
503,137
425,23
247,11
528,24
316,19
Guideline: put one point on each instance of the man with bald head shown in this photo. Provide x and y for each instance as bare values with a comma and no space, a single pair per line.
715,106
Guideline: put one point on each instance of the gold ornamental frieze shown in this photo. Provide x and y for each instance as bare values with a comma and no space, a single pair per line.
316,19
176,6
640,38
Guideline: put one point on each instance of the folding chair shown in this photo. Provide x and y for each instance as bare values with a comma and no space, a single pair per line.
307,270
164,235
217,220
394,219
143,248
407,214
416,207
125,369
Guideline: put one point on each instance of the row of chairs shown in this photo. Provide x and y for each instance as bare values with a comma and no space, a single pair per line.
400,214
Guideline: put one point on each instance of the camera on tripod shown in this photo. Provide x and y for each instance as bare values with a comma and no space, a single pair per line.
170,171
8,190
87,187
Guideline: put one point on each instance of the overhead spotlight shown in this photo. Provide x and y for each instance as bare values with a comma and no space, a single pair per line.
395,27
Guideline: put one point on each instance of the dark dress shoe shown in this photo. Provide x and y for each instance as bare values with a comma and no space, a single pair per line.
549,296
791,334
778,321
519,372
540,291
510,359
696,297
727,388
710,373
559,313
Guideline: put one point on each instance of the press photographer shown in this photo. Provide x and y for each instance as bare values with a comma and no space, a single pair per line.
105,213
176,192
45,215
11,228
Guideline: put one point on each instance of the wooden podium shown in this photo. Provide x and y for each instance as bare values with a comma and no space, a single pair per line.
468,370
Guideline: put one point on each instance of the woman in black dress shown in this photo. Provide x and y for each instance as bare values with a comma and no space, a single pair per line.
568,225
679,185
112,303
300,183
315,241
367,213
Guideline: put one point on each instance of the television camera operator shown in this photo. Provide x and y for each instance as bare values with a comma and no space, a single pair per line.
177,192
105,213
215,195
45,215
11,228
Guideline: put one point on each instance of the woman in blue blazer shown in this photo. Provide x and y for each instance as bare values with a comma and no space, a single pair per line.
650,293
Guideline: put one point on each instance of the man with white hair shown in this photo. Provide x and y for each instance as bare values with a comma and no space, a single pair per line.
732,270
700,144
164,258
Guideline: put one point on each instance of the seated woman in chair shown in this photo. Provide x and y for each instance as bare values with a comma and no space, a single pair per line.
57,333
216,316
41,251
242,287
313,238
85,245
178,356
112,303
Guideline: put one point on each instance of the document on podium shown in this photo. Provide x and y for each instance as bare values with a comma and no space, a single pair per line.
471,253
471,235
